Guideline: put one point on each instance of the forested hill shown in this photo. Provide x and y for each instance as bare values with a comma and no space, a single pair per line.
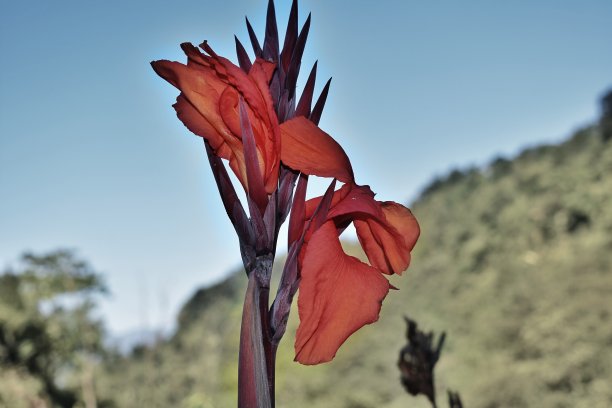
514,263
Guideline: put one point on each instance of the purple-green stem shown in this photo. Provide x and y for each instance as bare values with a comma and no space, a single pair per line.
257,352
263,326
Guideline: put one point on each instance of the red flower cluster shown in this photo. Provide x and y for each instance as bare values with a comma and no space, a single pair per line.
236,110
211,89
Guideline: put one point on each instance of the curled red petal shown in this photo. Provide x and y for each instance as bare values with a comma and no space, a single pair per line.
388,240
404,222
387,231
338,295
306,148
202,90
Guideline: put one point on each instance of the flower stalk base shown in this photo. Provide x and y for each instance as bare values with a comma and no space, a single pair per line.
257,354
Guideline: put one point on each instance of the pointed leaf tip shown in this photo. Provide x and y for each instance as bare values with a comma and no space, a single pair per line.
322,210
243,58
296,59
317,111
253,38
303,107
291,35
270,48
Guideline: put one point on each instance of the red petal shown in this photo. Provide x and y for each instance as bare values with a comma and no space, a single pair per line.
307,148
387,241
338,295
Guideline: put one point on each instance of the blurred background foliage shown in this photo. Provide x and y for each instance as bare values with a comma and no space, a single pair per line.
514,264
49,338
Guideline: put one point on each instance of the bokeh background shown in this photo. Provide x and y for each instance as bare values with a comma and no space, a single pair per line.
433,102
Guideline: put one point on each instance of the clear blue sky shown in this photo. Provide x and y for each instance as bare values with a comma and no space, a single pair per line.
92,156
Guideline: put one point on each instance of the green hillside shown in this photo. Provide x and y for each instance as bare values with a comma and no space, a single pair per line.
514,263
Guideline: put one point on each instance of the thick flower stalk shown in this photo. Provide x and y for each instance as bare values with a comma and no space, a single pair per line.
250,115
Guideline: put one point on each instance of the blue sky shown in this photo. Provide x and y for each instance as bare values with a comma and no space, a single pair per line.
92,156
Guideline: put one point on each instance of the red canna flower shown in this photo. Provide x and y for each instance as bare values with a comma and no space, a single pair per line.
338,294
251,116
209,105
